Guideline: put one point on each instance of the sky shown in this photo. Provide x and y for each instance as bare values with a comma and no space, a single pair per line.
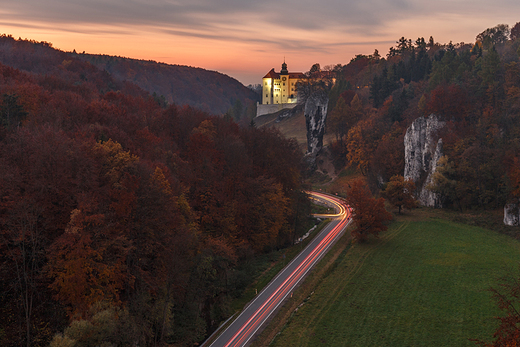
246,38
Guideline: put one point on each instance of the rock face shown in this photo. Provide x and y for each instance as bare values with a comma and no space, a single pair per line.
315,115
511,215
422,151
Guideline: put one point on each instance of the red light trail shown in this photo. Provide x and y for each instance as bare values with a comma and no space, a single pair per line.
253,317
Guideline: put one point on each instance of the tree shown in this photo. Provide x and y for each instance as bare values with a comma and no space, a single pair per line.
507,298
81,275
388,158
11,112
451,182
315,80
22,247
511,85
449,102
369,214
404,45
399,192
515,31
336,121
420,43
490,66
493,36
362,141
376,56
345,115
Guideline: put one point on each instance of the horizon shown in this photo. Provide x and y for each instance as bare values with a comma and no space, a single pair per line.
245,40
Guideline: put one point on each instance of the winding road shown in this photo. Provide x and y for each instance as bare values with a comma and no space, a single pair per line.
254,316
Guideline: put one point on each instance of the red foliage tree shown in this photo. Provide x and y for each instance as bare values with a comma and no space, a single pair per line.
507,298
369,214
388,158
449,101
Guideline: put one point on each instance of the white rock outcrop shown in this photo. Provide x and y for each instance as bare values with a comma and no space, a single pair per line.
315,116
511,215
423,150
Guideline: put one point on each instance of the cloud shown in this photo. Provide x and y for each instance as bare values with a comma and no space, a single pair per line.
220,19
259,32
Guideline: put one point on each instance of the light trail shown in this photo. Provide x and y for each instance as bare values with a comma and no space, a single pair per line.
253,317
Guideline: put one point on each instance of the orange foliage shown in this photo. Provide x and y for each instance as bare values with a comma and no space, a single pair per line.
362,141
369,214
81,275
400,193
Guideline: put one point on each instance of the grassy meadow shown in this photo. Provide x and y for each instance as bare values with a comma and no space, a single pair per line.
422,283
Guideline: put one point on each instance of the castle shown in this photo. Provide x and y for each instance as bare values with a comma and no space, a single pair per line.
279,90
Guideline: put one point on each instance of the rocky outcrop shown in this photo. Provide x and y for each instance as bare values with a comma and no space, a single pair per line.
426,197
315,115
511,215
423,150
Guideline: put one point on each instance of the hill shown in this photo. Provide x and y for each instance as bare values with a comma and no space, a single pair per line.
473,88
102,189
209,91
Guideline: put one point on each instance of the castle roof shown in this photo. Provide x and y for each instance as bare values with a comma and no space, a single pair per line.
296,75
275,75
272,74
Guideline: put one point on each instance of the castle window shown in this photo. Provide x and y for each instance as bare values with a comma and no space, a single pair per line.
266,95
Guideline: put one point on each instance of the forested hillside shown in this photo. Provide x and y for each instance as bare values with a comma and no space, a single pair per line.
123,221
128,221
209,91
474,88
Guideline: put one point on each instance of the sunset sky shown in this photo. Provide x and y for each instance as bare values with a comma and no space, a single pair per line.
244,38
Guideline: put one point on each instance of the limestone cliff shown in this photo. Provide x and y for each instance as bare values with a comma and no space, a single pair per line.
511,215
422,152
315,115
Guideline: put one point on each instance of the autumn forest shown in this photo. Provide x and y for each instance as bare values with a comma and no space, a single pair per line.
474,88
126,219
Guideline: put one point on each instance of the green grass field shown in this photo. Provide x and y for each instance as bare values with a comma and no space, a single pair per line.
423,283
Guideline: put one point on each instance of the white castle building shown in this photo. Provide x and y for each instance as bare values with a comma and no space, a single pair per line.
279,90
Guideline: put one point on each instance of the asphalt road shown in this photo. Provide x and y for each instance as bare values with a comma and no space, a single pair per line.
254,316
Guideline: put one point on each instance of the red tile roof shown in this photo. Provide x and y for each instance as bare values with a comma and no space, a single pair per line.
296,75
272,74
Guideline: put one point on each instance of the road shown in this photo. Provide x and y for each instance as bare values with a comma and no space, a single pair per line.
254,316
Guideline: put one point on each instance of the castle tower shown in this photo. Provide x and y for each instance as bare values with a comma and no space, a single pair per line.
283,84
284,70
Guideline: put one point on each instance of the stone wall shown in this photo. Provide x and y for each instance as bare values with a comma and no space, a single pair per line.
272,108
